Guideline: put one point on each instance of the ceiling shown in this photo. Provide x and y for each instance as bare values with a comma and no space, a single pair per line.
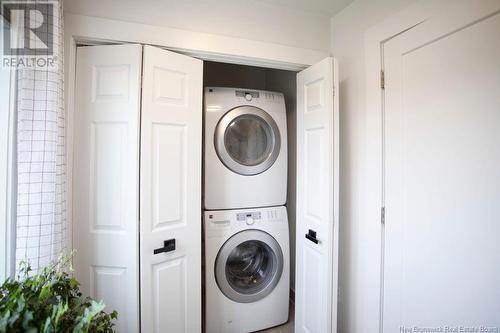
326,8
320,7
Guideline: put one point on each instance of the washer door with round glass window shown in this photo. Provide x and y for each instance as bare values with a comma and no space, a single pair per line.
249,266
247,140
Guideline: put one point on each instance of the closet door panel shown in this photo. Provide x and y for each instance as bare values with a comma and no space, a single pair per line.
106,177
317,198
171,130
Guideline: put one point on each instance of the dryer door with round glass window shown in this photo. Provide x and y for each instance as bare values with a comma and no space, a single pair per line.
247,140
249,266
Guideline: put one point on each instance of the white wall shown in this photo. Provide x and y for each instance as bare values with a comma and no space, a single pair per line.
253,20
359,266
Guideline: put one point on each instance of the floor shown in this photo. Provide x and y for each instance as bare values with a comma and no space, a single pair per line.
285,328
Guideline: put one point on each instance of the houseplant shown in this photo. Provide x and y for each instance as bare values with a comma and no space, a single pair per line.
50,301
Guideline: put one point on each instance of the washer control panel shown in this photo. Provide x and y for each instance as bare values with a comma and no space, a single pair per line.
249,216
248,95
255,96
219,223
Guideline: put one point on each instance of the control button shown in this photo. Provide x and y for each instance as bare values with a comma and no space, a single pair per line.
250,220
248,97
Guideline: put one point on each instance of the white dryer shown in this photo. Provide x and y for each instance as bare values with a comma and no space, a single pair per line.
247,274
245,148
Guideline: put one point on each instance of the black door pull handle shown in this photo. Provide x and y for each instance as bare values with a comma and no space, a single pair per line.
311,235
168,245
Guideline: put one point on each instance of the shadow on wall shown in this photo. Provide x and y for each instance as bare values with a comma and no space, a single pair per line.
345,232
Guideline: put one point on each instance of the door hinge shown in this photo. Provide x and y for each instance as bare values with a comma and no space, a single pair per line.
382,80
382,215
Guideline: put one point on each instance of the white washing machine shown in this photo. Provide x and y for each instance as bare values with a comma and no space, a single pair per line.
245,148
247,274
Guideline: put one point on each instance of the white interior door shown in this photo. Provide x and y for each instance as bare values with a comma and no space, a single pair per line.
106,177
442,175
171,141
317,198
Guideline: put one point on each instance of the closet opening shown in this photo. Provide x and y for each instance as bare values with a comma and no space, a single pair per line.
139,133
249,79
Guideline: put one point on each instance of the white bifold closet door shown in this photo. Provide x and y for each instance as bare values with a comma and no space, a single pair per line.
106,177
171,134
317,199
109,187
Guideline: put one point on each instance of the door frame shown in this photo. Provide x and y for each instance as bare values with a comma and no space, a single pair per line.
85,30
373,200
89,31
8,174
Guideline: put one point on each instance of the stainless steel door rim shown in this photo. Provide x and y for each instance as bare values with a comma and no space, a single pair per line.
255,159
268,274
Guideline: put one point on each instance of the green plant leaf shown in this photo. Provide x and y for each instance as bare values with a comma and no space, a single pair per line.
49,302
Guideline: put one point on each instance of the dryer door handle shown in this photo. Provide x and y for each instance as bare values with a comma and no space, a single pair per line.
311,235
168,245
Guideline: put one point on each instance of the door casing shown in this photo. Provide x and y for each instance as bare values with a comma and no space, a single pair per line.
370,175
76,41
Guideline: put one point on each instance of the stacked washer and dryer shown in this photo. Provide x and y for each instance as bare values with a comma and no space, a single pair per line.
247,274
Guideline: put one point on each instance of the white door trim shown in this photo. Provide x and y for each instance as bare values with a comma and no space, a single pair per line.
370,214
336,195
372,174
8,193
196,44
